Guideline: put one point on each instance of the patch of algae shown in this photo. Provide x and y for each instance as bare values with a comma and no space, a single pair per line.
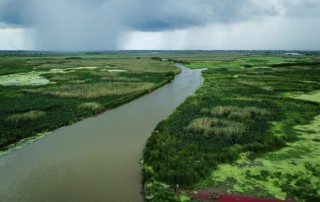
34,78
23,79
264,175
314,96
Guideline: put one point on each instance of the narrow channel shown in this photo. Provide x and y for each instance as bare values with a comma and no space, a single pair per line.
96,159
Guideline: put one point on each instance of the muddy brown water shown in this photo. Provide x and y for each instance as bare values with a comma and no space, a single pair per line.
96,159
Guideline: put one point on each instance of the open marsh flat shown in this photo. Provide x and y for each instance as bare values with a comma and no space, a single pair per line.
96,159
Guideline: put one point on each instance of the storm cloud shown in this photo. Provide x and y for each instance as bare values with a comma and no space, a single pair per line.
168,15
104,24
137,14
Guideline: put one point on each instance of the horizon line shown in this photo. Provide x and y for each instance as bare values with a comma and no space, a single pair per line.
160,50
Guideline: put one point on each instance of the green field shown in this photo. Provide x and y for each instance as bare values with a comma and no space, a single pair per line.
252,128
43,91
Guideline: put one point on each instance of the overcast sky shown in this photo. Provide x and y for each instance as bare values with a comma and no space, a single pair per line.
159,24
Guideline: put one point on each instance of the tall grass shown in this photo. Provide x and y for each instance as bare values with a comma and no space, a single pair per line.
92,106
200,125
95,90
214,126
234,112
141,65
220,110
259,85
120,79
75,77
27,116
63,77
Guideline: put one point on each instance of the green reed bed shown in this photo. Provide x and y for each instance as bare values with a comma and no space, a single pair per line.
76,86
237,116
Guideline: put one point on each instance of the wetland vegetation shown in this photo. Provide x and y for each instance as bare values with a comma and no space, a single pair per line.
252,128
40,92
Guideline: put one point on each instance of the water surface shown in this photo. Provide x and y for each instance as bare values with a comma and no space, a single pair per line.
96,159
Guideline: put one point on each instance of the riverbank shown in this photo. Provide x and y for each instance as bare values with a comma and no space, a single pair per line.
239,116
40,94
96,159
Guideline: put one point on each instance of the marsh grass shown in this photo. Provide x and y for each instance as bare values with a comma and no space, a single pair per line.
25,117
120,79
220,110
217,127
116,76
200,125
63,77
69,80
92,106
234,112
94,90
105,74
222,106
127,63
259,85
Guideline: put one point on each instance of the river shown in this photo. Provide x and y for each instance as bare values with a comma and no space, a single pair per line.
96,159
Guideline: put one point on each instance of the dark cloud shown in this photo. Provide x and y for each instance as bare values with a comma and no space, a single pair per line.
20,12
99,24
143,14
13,12
160,15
